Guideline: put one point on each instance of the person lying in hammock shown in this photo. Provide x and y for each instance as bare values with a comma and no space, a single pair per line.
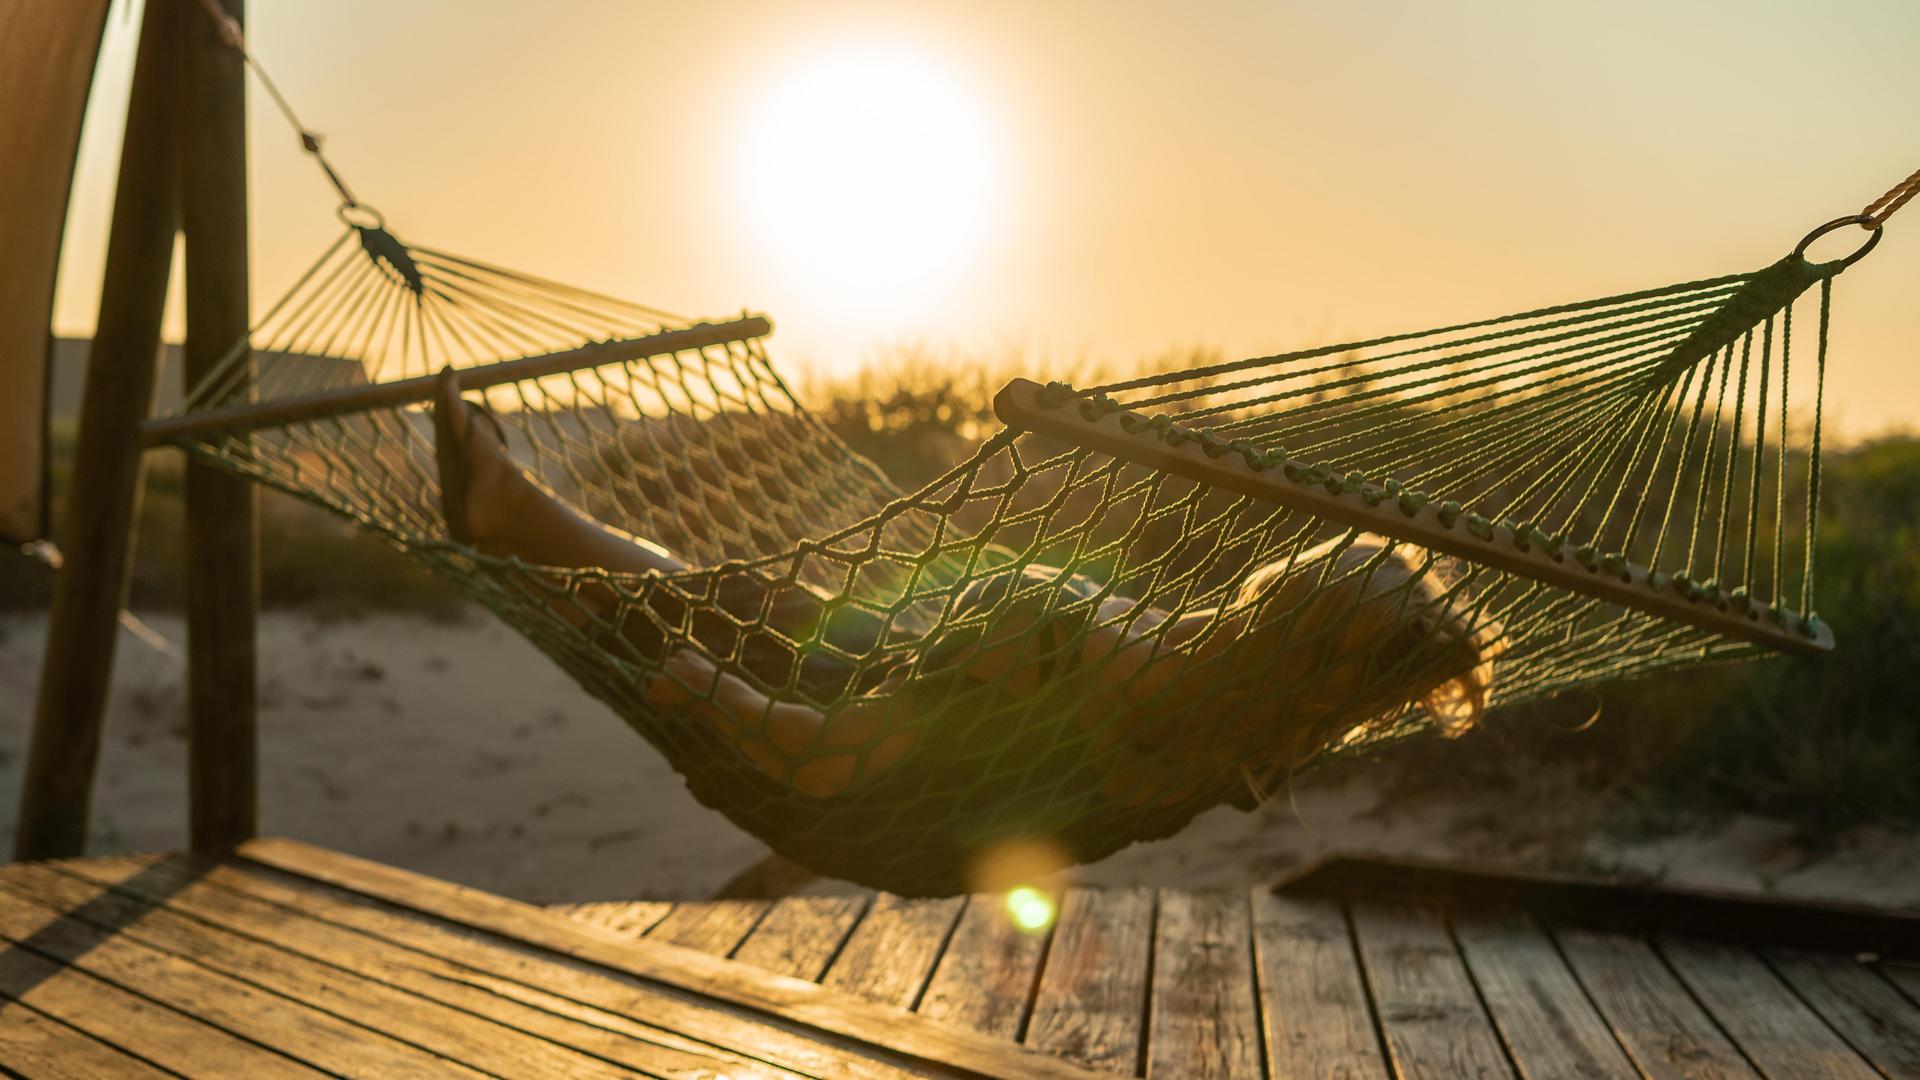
1078,722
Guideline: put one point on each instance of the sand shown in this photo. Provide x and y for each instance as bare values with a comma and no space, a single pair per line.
455,749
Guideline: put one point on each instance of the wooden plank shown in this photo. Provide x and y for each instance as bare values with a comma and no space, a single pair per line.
1551,1030
985,980
1865,1009
83,626
223,546
633,917
1777,1032
341,991
38,1047
789,999
890,956
1092,998
1203,1021
1622,905
1317,1017
1906,976
1020,404
658,1034
714,926
111,1015
293,1029
801,935
1431,1016
1657,1021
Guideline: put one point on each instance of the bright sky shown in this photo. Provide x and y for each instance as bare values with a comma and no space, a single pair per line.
1112,179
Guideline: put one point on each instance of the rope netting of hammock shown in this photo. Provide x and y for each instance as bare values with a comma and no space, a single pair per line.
1645,438
1138,601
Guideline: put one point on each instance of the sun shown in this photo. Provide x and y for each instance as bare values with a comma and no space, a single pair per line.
868,182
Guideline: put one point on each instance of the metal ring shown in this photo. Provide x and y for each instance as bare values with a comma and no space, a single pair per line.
369,218
1862,220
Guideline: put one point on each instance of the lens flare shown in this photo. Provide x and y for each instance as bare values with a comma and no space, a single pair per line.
1030,909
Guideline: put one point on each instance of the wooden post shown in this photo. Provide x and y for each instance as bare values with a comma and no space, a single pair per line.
103,502
222,571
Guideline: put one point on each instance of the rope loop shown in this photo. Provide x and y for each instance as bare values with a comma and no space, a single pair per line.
1864,221
360,216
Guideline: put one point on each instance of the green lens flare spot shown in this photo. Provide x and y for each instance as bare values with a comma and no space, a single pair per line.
1030,909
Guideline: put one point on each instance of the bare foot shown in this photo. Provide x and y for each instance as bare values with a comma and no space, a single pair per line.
496,485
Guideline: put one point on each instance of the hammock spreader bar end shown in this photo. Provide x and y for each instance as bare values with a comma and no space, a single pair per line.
1054,412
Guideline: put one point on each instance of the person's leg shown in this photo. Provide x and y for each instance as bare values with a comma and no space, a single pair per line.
512,514
507,512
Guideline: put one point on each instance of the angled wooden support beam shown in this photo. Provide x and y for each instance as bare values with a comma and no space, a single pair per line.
222,548
103,501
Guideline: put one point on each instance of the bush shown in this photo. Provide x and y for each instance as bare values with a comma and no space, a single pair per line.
1831,741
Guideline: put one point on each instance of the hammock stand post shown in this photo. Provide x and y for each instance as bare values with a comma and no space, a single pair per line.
57,791
183,164
222,527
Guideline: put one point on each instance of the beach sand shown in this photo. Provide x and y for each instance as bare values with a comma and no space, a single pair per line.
457,750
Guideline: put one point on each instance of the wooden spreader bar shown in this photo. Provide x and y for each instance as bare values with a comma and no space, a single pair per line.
1022,404
253,416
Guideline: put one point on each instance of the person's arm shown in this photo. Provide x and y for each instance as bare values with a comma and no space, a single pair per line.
822,753
818,753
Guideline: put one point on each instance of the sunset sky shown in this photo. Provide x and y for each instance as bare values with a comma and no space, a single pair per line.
1077,178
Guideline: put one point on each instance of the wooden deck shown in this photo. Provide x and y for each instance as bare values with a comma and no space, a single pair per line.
295,960
1168,983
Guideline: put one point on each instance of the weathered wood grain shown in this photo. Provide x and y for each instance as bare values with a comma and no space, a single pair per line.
1551,1030
878,1030
985,979
801,935
716,927
1432,1018
1203,1021
289,1027
110,1014
35,1046
890,955
659,1034
1903,974
413,1018
1776,1031
634,917
1865,1009
1093,988
1657,1021
1317,1018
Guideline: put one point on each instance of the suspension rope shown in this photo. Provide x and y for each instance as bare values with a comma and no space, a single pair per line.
1879,210
235,38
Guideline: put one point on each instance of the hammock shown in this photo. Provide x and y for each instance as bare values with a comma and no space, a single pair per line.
1610,488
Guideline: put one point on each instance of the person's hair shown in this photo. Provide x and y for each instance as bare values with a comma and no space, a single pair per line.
1349,635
